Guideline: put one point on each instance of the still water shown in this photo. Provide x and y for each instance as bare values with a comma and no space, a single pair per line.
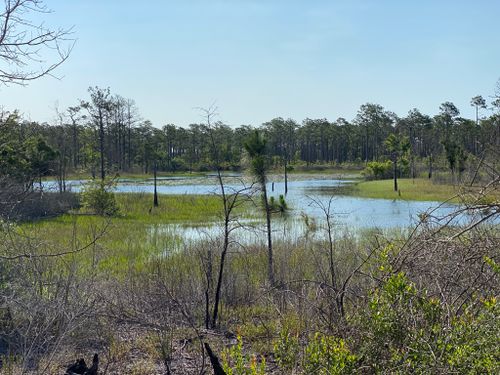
305,198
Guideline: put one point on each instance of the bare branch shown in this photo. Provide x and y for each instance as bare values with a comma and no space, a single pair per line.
24,43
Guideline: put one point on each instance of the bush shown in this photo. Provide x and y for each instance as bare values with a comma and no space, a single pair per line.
406,331
99,198
235,362
328,355
377,170
287,350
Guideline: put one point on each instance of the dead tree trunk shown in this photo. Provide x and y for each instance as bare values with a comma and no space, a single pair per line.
218,370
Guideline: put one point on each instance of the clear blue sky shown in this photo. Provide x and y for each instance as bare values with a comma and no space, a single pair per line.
259,59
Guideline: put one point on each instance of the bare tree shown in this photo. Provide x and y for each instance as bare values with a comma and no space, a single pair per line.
231,199
132,117
98,109
75,116
24,43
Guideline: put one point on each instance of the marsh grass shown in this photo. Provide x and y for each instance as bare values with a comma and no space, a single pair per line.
419,189
409,189
128,241
172,209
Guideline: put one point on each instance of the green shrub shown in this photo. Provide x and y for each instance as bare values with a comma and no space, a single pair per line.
279,205
287,349
98,197
377,170
471,347
235,362
405,331
328,355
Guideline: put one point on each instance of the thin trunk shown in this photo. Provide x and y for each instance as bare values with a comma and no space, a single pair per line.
208,275
207,306
333,275
218,289
75,146
286,176
430,166
101,145
129,139
270,267
227,218
155,199
395,162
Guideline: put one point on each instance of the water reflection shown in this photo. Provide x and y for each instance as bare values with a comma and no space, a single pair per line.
351,212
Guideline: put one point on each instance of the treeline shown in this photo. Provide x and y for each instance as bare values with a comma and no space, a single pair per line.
105,134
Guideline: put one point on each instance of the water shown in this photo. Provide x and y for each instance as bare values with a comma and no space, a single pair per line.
305,197
309,200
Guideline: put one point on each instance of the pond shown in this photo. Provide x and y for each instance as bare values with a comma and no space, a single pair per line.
305,198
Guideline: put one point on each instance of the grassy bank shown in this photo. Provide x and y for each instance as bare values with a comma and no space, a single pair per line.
409,189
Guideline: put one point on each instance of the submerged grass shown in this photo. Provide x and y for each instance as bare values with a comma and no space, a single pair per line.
132,237
172,208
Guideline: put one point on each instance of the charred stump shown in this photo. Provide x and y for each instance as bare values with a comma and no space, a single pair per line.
214,361
80,367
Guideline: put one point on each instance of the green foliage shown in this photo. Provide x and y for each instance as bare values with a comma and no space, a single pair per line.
328,355
471,346
455,155
461,158
406,331
399,319
255,146
397,144
278,206
24,160
451,149
287,349
39,154
235,362
377,170
494,265
12,163
178,164
98,197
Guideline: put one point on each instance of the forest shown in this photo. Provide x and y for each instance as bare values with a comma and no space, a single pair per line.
106,135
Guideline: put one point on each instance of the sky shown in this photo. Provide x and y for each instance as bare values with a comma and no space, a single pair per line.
261,59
